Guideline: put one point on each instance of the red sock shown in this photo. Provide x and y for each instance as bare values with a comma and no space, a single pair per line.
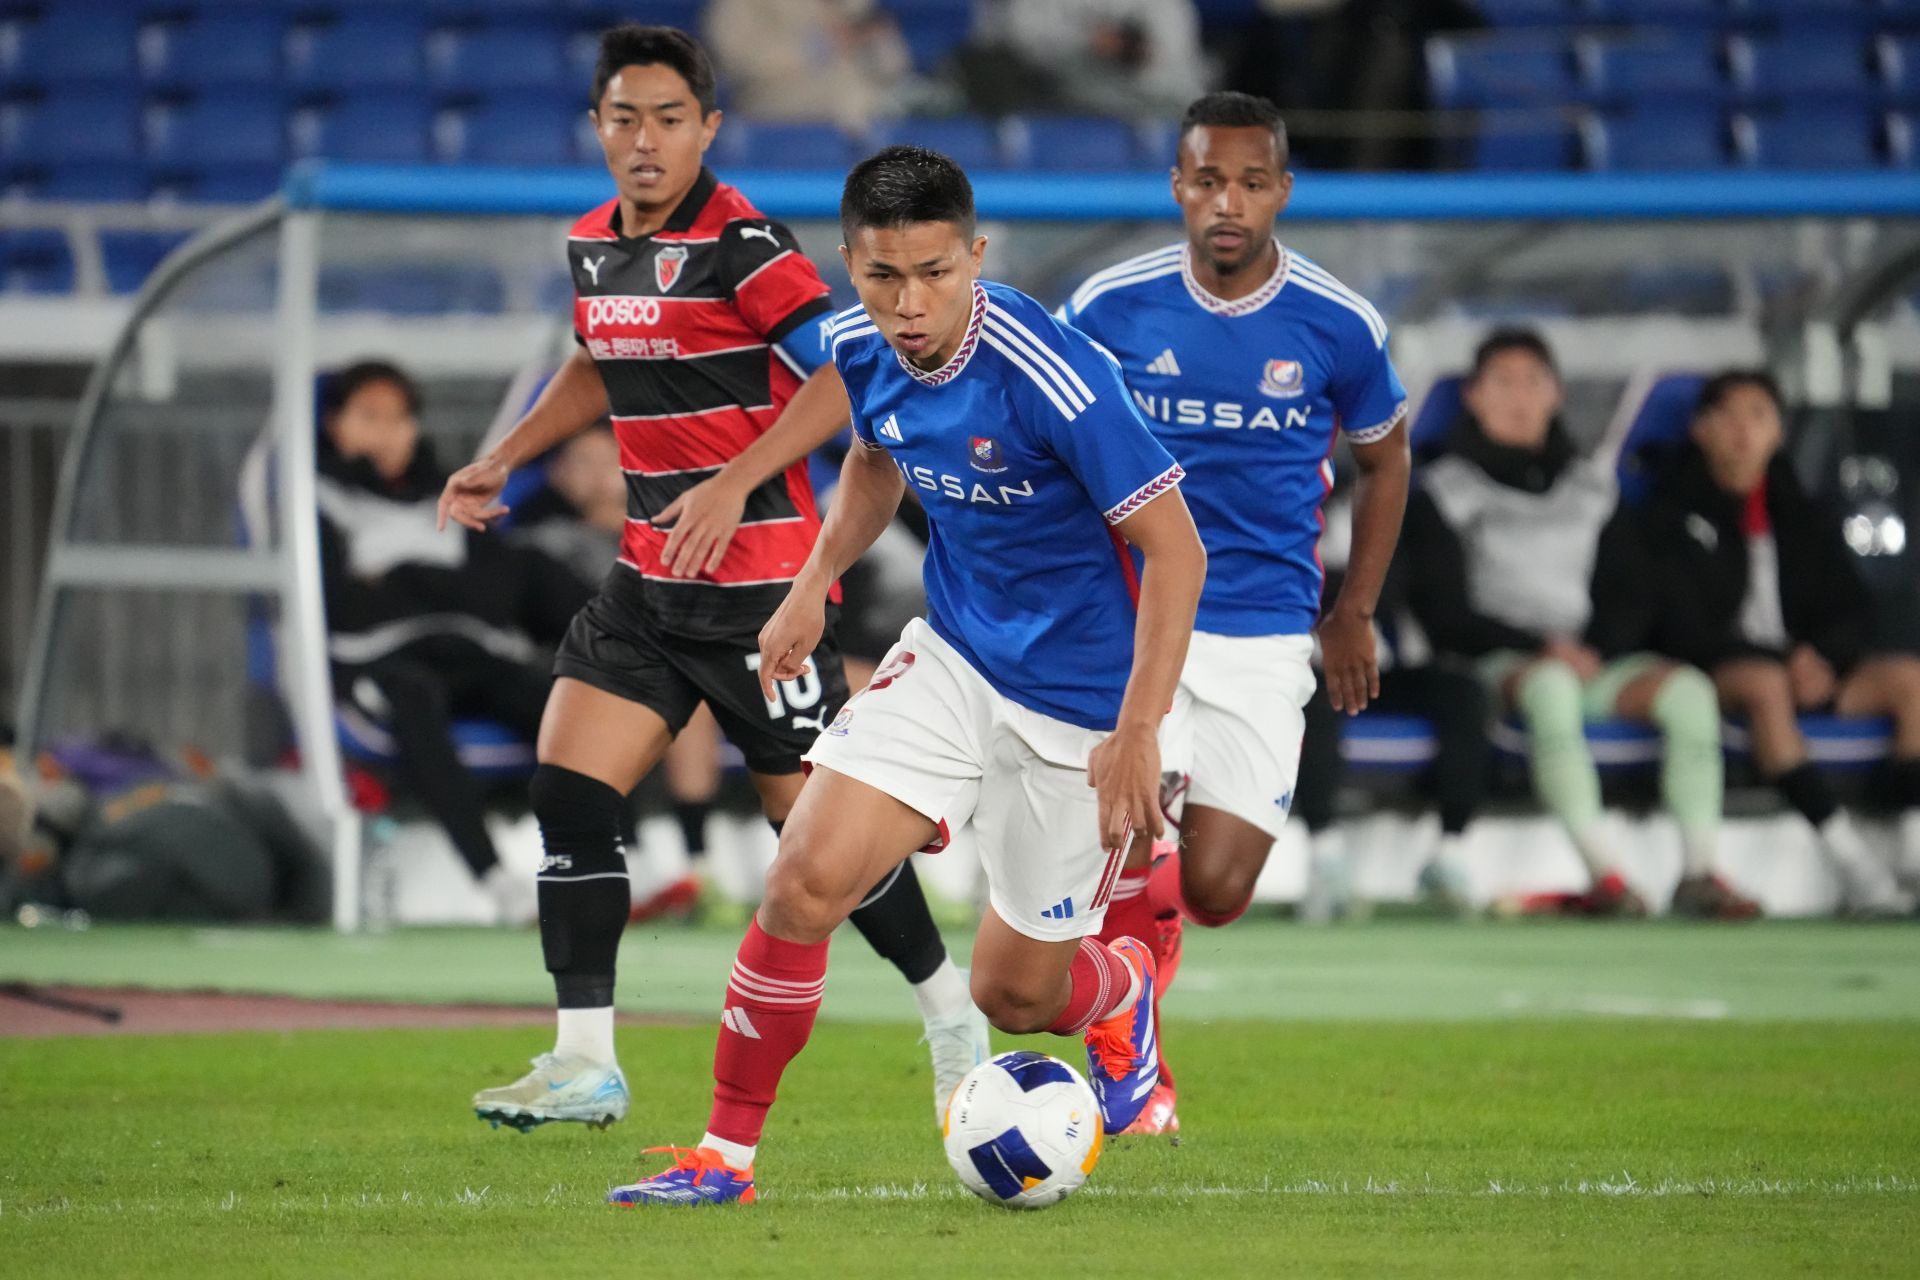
772,998
1102,986
1165,894
1130,912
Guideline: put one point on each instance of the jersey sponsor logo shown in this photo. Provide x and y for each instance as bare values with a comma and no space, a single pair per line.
951,486
748,233
593,266
1165,363
667,265
634,348
984,455
891,428
1228,415
608,312
1283,379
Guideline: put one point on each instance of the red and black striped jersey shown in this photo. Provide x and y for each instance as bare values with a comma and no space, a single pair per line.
683,326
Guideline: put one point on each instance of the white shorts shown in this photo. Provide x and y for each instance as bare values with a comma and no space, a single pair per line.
932,733
1236,724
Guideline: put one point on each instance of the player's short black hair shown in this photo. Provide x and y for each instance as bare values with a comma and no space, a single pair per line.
1501,341
901,185
1230,110
342,385
634,45
1725,383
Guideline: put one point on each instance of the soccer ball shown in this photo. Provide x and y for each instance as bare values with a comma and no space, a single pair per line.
1023,1130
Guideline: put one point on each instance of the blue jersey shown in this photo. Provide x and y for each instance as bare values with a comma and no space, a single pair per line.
1248,395
1025,449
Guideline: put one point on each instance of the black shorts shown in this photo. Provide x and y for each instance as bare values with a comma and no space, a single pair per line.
618,649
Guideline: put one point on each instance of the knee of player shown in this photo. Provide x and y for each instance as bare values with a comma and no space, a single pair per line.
1686,703
804,901
1549,693
1219,898
572,805
1009,1007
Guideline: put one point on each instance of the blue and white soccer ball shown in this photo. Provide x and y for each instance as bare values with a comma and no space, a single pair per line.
1023,1130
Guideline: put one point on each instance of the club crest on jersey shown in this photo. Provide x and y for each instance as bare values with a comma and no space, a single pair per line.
666,266
984,455
1283,379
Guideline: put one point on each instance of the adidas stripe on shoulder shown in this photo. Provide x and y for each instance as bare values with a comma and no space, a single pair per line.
1044,366
1147,266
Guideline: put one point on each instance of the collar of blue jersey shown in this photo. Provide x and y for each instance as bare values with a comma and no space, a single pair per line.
1236,306
963,353
684,214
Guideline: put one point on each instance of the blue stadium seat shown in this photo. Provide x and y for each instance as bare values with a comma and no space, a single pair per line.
223,184
1659,425
1810,63
1662,13
400,288
1376,741
1504,148
1530,13
1654,139
1900,66
35,260
1900,148
217,48
130,256
972,143
932,28
511,55
229,127
370,48
1854,13
1667,65
1074,143
786,145
1617,745
1500,71
1438,411
1812,136
486,747
116,183
73,124
73,43
384,126
533,129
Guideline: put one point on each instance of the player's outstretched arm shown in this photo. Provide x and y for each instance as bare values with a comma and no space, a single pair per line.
701,522
1346,632
572,401
1125,769
867,496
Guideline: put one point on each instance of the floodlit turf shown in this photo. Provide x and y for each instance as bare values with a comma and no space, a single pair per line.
1407,1098
1518,1148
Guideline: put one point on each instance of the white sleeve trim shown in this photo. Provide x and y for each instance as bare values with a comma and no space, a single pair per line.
1380,430
1146,493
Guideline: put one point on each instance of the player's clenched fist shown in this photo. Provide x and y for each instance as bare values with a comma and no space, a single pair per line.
791,635
472,493
1125,770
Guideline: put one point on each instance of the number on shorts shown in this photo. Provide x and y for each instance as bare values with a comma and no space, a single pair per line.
890,670
797,694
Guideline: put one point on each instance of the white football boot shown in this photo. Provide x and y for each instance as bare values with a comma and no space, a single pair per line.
556,1089
957,1044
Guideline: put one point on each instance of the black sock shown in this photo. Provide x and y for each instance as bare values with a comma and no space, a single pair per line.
896,923
584,894
1900,782
1806,790
692,817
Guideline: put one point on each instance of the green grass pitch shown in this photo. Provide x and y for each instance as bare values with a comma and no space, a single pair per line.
1768,1124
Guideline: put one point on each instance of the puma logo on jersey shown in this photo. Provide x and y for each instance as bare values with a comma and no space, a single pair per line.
817,723
1165,363
735,1019
891,428
747,233
593,266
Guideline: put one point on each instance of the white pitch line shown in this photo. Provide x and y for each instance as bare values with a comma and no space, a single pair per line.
1701,1008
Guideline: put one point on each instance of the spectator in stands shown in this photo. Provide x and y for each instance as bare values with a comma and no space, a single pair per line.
1132,58
1501,536
1411,684
425,625
1731,565
838,60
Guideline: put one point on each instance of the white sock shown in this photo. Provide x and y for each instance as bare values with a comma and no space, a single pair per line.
1591,845
1134,987
736,1156
944,995
1696,854
586,1034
